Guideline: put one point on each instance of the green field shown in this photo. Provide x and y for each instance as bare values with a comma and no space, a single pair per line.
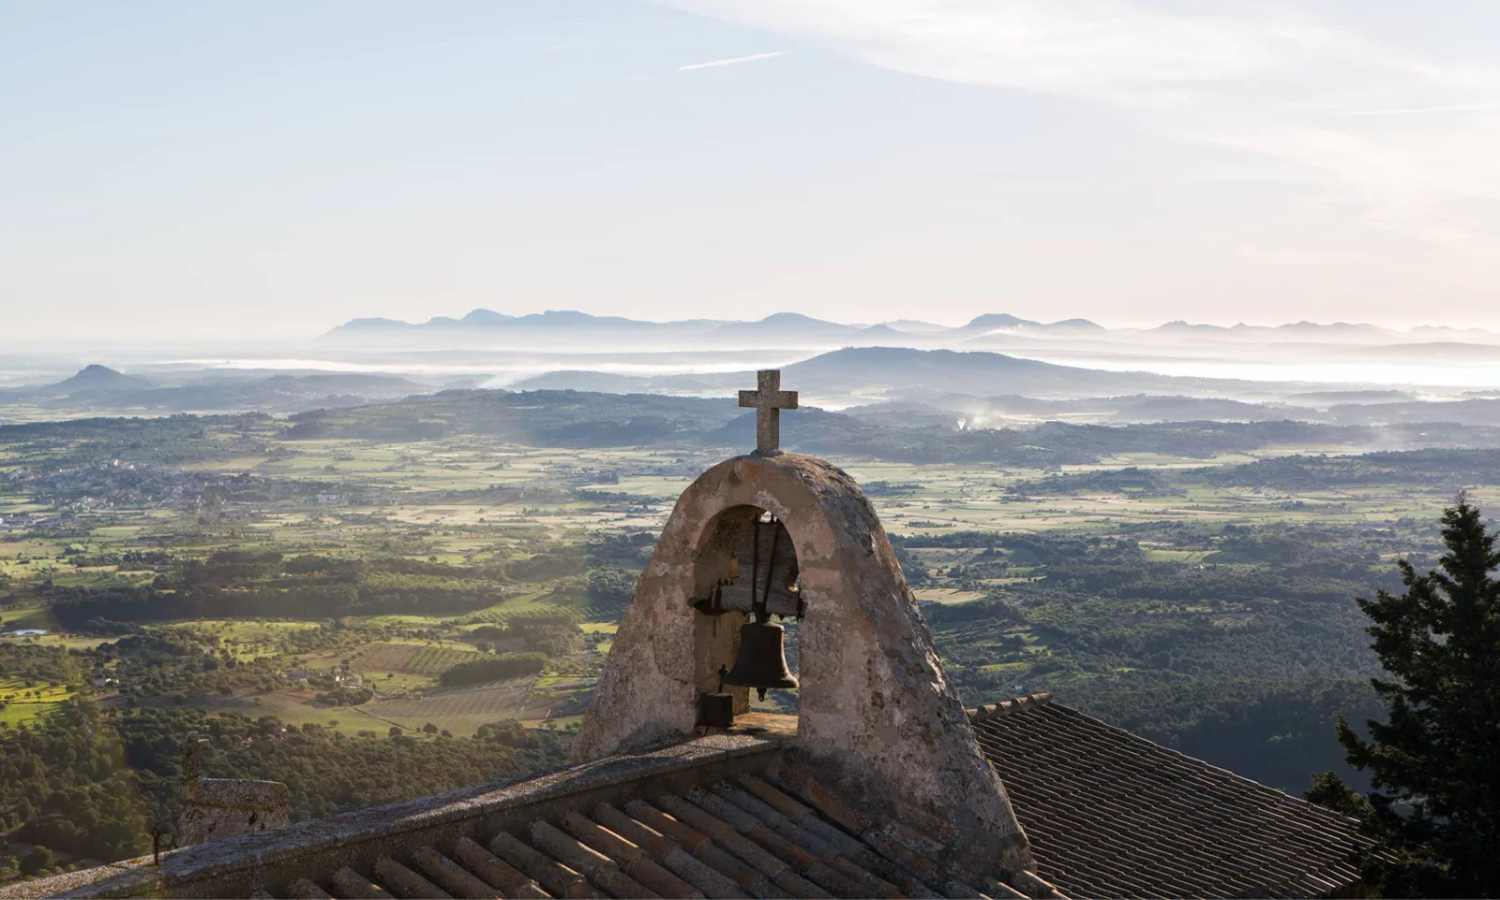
21,703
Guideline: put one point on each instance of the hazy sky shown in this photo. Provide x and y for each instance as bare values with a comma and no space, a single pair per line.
274,168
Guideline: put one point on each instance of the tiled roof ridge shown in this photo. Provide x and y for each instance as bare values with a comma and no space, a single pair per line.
210,868
705,829
1004,707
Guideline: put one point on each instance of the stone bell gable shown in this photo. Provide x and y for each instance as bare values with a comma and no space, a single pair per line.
877,716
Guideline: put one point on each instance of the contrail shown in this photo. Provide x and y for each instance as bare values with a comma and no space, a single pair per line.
732,61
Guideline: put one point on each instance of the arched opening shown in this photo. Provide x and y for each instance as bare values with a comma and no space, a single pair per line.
745,570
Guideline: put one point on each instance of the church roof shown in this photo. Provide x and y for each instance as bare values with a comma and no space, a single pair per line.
1109,813
716,816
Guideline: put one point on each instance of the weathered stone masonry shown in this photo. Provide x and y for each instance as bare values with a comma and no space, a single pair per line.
876,713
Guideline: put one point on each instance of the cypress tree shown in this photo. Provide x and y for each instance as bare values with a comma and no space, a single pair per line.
1435,761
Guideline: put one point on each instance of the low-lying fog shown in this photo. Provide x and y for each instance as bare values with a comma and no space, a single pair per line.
1275,371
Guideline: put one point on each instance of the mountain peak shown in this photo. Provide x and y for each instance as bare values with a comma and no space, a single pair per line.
991,321
1076,325
786,326
95,373
483,316
96,377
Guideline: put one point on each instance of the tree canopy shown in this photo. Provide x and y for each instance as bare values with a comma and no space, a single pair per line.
1435,760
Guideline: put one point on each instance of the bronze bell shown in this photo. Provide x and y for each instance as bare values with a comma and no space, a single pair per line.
762,660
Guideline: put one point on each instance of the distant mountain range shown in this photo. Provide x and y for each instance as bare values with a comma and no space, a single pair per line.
784,329
571,328
1293,330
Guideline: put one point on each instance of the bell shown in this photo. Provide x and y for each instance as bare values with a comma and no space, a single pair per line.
762,660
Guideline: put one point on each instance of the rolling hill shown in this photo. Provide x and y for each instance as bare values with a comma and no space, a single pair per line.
100,388
874,372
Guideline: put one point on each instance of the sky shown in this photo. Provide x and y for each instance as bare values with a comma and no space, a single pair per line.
269,170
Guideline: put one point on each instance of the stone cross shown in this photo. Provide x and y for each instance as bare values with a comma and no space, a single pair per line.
769,400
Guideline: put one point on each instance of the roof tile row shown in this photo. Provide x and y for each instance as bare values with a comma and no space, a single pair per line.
739,837
1109,813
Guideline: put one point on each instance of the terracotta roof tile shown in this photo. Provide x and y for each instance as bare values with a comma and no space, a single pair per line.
554,877
305,889
702,847
348,883
1111,813
449,875
843,845
495,871
703,876
403,882
634,861
593,865
748,851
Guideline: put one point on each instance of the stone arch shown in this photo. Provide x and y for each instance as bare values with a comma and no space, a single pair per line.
875,710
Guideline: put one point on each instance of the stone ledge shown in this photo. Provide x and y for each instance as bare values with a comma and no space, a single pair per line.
211,867
217,808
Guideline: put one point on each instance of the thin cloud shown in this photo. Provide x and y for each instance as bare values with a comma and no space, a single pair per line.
1418,110
731,61
1308,90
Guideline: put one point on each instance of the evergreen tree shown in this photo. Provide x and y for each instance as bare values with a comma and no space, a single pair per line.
1329,790
1435,761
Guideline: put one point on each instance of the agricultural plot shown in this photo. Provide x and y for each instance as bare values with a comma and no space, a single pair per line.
293,708
246,640
542,600
461,712
411,658
18,618
21,703
69,641
946,595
